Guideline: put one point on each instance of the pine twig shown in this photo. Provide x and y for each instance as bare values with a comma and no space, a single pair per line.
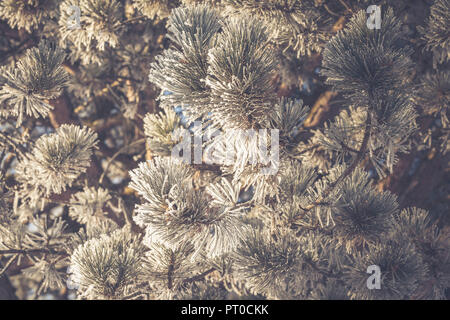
348,170
31,251
121,150
199,277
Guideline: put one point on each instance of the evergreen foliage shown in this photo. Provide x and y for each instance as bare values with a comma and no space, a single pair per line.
436,34
218,149
37,78
28,14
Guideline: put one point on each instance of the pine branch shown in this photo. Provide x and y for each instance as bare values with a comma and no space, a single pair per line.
33,251
358,158
17,146
200,276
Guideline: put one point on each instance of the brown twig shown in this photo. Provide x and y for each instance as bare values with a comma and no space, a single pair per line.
121,150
